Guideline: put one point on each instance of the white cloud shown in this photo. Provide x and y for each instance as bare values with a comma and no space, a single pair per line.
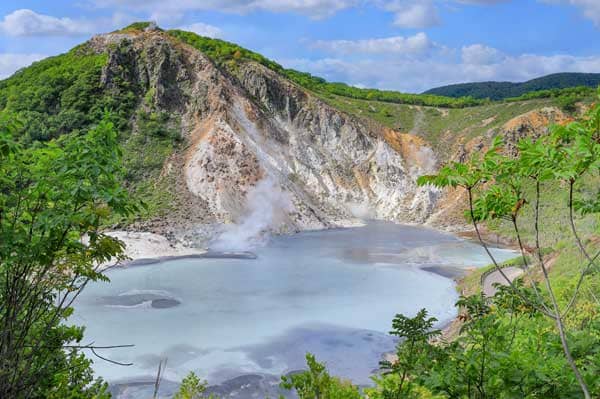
590,8
417,75
171,10
315,8
26,22
11,62
418,14
478,54
413,14
407,13
203,29
418,44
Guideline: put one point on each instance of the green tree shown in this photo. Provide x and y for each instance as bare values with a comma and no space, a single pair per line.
505,349
192,388
500,187
414,353
386,386
317,383
54,198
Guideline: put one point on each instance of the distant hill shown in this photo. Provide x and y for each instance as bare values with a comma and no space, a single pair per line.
502,90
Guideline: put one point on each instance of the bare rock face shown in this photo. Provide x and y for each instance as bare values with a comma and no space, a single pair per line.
249,125
451,205
533,124
242,128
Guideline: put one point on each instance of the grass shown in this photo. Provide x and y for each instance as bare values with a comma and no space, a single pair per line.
442,128
554,218
438,126
144,157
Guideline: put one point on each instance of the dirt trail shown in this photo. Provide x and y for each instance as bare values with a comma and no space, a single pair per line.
495,277
418,121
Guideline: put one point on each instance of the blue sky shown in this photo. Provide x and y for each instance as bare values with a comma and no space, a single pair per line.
408,45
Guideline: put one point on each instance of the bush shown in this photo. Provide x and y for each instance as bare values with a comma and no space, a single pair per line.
52,195
317,383
568,103
192,388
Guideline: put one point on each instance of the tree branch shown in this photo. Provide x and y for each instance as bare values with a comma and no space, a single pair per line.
591,260
557,318
496,265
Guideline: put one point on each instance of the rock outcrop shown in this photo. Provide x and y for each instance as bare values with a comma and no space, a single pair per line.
245,126
450,207
533,124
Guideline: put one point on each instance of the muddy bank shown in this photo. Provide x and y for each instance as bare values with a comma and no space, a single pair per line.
450,272
148,248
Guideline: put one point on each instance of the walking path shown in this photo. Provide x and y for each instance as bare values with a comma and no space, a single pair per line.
495,277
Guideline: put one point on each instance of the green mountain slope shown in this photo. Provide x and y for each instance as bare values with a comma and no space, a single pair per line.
228,54
442,127
65,94
69,93
503,90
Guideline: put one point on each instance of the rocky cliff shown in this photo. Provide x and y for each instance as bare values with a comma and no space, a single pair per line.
450,207
249,125
260,151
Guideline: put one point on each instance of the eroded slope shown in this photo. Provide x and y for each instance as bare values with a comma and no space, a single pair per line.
252,125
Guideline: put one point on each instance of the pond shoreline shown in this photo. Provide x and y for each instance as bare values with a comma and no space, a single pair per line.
142,253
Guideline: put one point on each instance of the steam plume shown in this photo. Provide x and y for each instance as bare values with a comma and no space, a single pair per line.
266,209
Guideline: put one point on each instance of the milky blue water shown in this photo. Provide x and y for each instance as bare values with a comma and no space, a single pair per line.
333,293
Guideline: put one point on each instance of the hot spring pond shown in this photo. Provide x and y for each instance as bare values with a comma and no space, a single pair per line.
333,293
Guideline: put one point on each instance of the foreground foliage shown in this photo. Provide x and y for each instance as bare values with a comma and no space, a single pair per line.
193,388
499,186
53,201
505,350
316,382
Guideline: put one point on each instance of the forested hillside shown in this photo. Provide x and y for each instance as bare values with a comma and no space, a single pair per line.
503,90
228,54
566,88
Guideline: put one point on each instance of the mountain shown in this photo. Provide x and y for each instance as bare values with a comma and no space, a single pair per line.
213,133
503,90
200,136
